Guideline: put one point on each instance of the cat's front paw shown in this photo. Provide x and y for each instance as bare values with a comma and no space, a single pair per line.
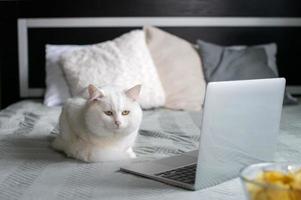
79,152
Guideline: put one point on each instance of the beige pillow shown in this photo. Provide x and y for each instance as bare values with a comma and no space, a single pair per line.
179,68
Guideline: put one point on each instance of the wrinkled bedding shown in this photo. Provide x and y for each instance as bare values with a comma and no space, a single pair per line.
30,169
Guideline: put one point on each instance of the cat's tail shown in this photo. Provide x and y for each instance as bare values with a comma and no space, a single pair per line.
58,144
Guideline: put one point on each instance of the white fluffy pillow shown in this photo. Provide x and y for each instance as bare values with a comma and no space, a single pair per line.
124,62
57,90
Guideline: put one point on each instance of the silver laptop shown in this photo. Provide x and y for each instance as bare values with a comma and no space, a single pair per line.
240,124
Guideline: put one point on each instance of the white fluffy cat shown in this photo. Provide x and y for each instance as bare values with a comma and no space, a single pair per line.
102,128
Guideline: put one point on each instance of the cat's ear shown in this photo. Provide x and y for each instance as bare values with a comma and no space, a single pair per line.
94,93
133,93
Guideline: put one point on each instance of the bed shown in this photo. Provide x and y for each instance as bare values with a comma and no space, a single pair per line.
31,169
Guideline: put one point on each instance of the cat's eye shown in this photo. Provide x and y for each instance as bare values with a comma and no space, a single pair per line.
125,112
109,113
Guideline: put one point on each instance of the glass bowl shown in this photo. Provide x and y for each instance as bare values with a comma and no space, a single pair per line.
272,181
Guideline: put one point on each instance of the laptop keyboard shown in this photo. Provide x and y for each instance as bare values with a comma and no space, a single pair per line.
183,174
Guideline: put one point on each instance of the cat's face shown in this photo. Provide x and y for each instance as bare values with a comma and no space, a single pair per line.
111,111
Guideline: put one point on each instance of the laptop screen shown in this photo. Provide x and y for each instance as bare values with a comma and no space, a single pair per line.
240,126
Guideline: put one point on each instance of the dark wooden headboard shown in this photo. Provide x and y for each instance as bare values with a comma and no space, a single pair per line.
29,25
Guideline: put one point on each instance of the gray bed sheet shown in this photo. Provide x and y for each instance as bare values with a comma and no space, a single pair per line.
30,169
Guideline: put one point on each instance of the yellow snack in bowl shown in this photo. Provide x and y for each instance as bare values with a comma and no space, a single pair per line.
278,178
297,182
275,185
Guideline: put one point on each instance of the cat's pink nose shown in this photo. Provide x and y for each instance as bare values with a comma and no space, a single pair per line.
117,123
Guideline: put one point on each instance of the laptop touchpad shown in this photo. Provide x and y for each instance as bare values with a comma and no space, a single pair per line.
177,161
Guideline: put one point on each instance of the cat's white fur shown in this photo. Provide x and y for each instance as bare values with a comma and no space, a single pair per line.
89,134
